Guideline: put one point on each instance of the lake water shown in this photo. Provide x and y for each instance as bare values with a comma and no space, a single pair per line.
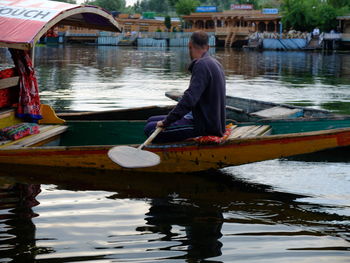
272,211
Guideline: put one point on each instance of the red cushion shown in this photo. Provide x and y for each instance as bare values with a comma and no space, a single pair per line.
215,139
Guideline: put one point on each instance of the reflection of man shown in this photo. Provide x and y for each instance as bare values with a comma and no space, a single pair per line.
201,224
201,111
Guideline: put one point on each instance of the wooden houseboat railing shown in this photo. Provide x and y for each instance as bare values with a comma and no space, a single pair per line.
238,30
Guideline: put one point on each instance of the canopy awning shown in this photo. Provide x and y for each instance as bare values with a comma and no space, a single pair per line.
343,17
23,22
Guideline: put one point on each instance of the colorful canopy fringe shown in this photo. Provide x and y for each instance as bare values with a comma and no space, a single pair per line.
29,101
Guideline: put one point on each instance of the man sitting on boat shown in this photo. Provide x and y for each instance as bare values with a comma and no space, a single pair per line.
201,110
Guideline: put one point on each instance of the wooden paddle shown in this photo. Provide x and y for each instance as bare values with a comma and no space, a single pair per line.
130,157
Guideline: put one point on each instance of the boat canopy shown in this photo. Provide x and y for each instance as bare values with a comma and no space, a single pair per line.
23,22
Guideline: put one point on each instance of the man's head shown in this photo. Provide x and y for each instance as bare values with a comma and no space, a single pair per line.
198,44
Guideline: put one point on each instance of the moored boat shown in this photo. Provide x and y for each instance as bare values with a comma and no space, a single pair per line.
238,109
243,109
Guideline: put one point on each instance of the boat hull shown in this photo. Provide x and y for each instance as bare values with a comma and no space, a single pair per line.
184,157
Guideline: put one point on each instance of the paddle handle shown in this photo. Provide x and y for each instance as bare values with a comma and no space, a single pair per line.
151,137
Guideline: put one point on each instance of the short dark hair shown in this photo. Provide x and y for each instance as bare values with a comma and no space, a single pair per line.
200,39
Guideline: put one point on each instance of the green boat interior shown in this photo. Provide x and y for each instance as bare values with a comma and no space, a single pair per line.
130,131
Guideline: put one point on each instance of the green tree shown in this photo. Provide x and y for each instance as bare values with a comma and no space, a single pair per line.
173,3
167,22
327,17
270,3
158,6
137,7
186,7
339,3
110,5
305,14
298,14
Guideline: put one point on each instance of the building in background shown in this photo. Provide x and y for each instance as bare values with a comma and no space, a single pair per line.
130,24
344,28
146,23
233,25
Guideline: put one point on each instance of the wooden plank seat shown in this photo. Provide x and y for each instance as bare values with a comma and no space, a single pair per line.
47,132
278,112
249,131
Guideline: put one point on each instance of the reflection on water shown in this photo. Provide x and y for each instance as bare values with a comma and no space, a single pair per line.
275,211
17,238
108,217
110,77
105,77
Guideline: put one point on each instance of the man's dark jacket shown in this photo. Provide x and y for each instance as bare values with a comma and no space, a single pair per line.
205,97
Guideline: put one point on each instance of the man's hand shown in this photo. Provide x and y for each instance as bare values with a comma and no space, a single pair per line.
160,124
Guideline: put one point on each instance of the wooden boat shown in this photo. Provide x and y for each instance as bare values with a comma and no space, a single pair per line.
238,109
84,143
242,109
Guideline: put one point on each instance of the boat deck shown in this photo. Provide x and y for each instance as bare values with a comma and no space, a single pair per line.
249,131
